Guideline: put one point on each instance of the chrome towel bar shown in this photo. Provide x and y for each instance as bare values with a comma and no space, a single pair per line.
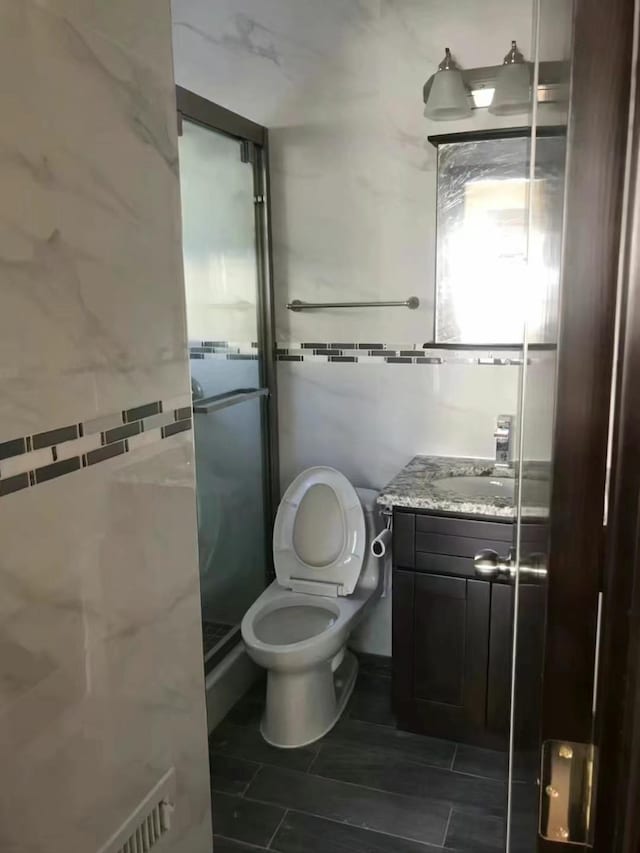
412,303
207,405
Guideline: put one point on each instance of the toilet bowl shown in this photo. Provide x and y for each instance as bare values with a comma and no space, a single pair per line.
299,627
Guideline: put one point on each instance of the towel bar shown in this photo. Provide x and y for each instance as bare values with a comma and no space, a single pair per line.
297,305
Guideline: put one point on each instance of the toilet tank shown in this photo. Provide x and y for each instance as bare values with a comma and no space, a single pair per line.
372,568
368,499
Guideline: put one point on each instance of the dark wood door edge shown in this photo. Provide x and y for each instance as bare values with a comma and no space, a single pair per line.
597,141
597,144
618,708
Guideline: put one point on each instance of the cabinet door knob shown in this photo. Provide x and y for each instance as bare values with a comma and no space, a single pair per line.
488,564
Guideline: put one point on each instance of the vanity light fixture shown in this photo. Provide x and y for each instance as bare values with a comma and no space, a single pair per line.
445,94
483,96
513,85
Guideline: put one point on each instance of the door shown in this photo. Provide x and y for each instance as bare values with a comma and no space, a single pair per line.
225,263
618,717
564,416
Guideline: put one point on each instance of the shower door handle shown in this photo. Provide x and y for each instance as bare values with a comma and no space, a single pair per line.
228,398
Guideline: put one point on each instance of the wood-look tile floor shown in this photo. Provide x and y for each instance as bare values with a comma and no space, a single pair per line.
364,788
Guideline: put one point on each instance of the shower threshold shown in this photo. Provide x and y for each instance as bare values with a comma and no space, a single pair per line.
218,638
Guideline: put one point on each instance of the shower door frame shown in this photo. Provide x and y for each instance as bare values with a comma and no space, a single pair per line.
198,110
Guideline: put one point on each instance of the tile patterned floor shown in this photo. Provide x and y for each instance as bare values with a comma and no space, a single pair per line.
364,788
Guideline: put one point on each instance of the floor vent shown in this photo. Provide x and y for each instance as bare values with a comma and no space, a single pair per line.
149,823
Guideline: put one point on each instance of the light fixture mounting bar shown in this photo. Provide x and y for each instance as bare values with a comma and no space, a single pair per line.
553,79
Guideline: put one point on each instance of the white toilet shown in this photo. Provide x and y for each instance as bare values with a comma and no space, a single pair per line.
298,628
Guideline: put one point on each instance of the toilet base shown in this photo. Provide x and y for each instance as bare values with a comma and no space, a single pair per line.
303,706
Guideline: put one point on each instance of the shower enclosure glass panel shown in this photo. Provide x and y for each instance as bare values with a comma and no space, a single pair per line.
220,260
230,510
221,279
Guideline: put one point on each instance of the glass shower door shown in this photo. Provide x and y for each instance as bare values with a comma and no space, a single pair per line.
534,467
229,397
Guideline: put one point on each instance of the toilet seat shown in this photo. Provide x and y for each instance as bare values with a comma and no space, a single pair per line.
289,651
292,623
319,537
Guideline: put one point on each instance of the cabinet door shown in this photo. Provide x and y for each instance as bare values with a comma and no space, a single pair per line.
441,643
500,655
529,660
440,631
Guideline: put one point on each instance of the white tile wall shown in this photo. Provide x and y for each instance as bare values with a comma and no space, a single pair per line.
339,85
353,179
369,421
90,194
100,648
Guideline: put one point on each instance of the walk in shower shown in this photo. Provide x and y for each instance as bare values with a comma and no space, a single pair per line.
224,183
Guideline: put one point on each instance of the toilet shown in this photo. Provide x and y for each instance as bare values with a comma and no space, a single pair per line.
298,628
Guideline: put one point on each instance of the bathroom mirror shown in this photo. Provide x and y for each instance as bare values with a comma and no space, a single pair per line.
484,236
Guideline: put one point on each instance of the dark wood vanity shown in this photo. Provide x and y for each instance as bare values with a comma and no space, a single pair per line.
453,631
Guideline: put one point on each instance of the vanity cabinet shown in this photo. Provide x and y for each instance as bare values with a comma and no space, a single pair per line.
452,631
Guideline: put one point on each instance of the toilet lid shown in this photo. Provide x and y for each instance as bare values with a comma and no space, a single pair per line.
319,538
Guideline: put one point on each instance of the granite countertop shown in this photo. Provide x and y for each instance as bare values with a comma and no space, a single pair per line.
414,487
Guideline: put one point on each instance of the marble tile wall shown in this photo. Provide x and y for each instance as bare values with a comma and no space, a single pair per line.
353,183
100,645
339,85
370,420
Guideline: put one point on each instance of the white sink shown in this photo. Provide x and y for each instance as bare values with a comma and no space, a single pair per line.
535,492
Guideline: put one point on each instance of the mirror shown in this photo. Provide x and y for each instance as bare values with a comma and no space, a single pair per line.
484,284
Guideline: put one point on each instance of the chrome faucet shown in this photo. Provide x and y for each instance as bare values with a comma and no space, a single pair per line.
504,441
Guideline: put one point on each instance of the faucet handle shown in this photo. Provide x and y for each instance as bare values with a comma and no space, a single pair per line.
503,436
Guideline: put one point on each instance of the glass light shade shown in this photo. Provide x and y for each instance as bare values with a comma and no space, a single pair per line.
513,89
482,97
447,98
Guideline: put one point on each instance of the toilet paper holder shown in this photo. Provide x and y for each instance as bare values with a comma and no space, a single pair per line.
382,542
387,514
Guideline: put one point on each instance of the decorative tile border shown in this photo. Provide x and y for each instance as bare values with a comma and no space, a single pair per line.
35,459
224,350
356,353
379,353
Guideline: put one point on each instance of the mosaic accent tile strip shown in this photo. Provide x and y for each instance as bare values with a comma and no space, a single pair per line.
224,350
353,352
34,459
379,353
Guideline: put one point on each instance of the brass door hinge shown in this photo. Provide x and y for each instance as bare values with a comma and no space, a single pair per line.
566,791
